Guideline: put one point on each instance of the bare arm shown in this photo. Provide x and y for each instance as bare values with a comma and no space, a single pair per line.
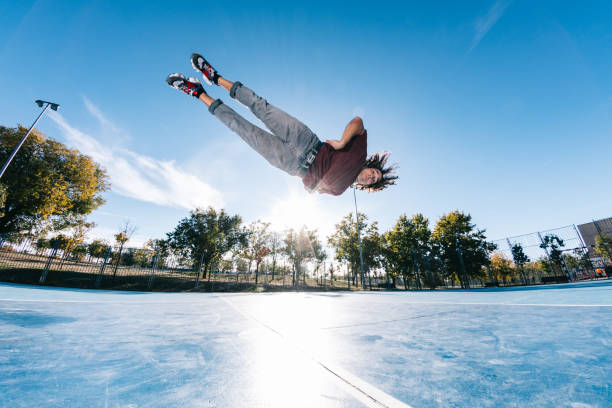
354,127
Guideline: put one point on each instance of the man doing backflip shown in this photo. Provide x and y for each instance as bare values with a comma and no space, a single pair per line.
329,167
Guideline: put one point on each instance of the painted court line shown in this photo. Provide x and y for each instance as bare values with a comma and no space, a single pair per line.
510,304
361,390
410,303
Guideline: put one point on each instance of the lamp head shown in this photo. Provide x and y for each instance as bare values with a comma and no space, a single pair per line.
52,105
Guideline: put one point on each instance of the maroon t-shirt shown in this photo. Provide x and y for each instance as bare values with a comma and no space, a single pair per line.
333,171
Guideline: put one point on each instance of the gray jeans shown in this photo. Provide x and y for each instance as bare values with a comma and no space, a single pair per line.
290,147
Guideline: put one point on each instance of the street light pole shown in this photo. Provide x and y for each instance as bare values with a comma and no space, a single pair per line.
40,103
359,238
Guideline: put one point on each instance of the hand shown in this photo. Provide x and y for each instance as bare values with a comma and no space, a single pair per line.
336,144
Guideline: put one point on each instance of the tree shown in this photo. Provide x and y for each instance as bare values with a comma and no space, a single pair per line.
406,245
584,260
257,247
298,249
346,243
520,259
121,238
318,253
226,265
98,248
205,236
62,242
73,240
3,193
372,250
542,265
78,252
463,248
160,251
241,266
603,246
275,249
501,267
551,244
46,184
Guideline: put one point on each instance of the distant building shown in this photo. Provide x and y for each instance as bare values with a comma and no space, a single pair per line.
591,230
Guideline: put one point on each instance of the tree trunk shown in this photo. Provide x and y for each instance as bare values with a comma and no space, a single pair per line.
118,259
523,275
293,280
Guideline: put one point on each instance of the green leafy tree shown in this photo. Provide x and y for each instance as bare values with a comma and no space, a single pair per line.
501,267
226,265
372,250
583,256
571,260
72,241
98,248
603,246
46,184
319,254
551,244
463,249
258,242
242,265
3,193
298,248
206,235
542,265
275,249
41,245
345,242
134,257
520,259
160,251
144,257
405,247
79,251
60,242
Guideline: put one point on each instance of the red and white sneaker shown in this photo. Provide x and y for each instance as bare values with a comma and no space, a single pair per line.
201,65
191,86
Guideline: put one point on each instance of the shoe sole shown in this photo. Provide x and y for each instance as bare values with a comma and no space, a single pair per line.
176,74
208,81
181,76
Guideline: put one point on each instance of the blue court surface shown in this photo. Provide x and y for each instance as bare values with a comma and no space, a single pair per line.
546,346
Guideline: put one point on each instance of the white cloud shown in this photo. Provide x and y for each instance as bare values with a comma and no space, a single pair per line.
95,112
484,23
137,176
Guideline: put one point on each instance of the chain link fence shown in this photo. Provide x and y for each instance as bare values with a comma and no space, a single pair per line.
572,261
54,262
116,267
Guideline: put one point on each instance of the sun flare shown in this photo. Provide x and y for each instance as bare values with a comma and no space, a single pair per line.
299,209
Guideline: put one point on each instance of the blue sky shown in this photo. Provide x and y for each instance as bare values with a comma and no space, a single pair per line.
501,109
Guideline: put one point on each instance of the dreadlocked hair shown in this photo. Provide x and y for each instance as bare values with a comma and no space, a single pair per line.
378,161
